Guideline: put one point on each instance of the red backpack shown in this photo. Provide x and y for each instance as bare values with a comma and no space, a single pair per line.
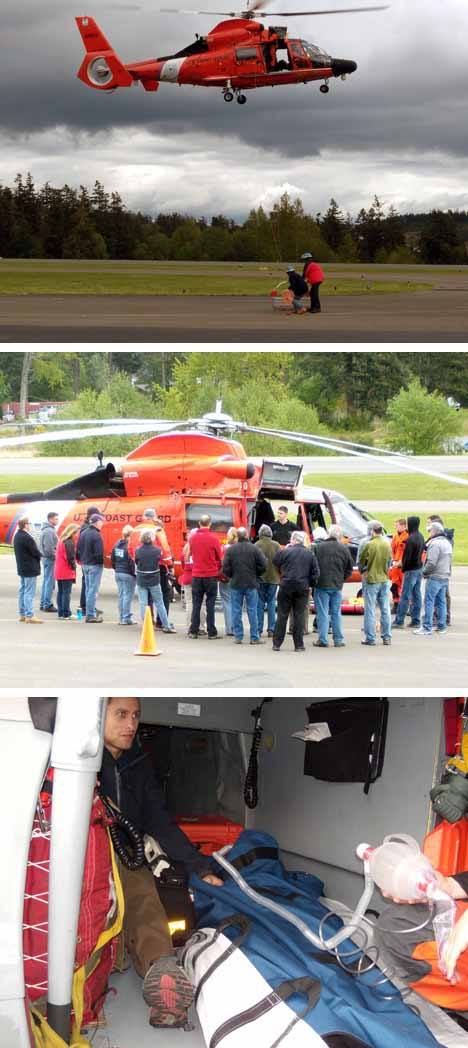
100,920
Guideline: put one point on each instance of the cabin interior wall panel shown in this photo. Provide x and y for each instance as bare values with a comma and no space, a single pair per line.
324,821
222,713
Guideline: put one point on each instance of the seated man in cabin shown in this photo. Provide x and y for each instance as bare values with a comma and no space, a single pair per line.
127,779
406,934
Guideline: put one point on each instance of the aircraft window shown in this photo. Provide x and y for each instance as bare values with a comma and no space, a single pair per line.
349,518
221,516
243,54
296,49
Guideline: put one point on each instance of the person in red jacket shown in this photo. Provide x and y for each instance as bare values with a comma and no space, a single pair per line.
65,570
207,557
315,276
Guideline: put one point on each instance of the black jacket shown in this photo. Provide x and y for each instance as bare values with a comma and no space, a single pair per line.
299,567
412,554
243,564
297,284
282,532
90,548
122,562
147,559
131,784
28,557
335,563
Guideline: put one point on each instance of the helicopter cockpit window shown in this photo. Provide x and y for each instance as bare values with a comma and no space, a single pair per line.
245,54
319,57
350,519
221,516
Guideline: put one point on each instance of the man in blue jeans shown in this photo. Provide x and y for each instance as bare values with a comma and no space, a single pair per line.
374,561
268,585
28,567
90,553
336,565
48,544
243,564
411,566
436,570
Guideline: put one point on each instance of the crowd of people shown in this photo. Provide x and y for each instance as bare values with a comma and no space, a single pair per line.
278,576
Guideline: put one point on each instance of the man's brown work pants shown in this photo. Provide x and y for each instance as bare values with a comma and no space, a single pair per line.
146,929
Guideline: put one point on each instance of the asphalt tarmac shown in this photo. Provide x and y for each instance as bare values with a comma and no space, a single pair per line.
72,654
440,315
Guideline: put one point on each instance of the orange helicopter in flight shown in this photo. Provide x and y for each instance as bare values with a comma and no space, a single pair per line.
237,55
188,469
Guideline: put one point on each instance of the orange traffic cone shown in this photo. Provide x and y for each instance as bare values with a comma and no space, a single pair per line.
148,644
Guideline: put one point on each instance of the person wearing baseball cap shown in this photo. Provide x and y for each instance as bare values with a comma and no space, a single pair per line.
90,553
299,288
314,275
436,570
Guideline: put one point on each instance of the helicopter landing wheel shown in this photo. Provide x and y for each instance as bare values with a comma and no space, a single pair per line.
228,96
241,99
324,89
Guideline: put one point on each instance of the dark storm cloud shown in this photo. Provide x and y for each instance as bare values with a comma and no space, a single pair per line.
395,100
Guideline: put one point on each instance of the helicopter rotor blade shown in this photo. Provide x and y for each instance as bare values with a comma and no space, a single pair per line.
330,444
258,6
331,11
125,429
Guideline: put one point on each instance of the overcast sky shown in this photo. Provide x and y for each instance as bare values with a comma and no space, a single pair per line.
397,127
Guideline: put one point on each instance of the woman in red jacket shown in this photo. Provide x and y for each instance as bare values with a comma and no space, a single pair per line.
315,276
65,570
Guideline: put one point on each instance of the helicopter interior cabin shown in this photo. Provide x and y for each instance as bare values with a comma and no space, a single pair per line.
200,750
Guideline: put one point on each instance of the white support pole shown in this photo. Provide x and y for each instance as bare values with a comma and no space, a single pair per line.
25,755
76,758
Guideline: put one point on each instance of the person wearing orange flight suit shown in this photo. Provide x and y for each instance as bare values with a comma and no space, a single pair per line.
151,522
395,574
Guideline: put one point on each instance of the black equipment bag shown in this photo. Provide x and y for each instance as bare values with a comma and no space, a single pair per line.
355,752
172,888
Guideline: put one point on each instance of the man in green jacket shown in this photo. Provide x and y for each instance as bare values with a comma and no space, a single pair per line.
374,561
266,593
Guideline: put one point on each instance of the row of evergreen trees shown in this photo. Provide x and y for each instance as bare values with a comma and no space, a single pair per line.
69,223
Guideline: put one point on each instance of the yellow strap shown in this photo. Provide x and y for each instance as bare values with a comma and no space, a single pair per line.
45,1036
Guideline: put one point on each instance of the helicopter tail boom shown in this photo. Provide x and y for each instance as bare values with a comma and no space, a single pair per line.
101,68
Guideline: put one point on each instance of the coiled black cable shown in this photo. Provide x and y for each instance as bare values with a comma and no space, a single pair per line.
251,778
128,842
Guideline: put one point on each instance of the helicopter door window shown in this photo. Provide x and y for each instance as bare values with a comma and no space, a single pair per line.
221,516
299,59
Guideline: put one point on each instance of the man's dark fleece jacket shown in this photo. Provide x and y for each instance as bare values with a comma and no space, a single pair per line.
131,784
412,555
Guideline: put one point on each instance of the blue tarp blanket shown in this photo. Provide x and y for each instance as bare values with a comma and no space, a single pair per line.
351,1012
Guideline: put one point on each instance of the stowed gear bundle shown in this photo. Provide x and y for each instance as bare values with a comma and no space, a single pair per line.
258,978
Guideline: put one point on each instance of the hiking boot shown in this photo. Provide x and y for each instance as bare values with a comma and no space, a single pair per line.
94,618
387,641
369,643
34,620
168,992
259,641
319,644
50,608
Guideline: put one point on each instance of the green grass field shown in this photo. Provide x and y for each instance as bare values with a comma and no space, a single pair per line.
395,486
106,279
34,482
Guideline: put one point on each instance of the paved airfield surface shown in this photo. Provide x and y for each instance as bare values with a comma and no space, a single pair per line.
69,653
440,315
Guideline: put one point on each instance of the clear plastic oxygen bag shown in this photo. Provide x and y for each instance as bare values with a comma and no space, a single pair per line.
444,913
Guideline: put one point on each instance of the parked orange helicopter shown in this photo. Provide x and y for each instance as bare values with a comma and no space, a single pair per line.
237,55
190,468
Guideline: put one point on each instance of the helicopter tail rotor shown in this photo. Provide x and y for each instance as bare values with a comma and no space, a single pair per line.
101,68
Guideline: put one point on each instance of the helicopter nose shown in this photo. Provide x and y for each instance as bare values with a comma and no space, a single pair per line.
341,66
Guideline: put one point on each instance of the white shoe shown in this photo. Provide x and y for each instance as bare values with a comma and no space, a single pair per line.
420,632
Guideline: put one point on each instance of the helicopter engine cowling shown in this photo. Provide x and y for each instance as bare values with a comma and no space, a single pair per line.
236,469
